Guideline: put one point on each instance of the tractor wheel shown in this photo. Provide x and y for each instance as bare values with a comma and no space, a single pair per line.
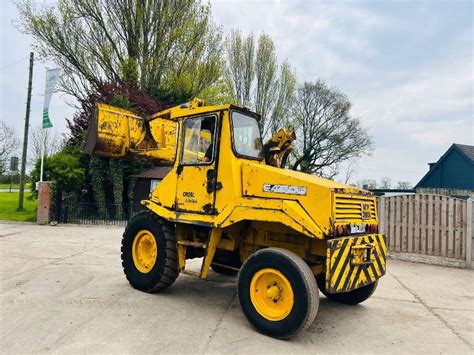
149,257
353,297
278,292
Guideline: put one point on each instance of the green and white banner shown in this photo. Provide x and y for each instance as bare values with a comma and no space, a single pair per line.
52,77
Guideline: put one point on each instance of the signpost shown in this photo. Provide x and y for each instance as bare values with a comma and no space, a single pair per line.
25,135
13,169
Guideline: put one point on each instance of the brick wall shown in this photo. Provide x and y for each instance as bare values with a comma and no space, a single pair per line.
44,202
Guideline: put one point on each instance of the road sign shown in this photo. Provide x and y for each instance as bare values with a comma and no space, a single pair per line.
14,164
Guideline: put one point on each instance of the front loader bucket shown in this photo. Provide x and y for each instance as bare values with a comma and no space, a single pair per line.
115,132
112,131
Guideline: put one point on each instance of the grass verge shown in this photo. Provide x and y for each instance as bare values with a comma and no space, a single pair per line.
7,186
9,204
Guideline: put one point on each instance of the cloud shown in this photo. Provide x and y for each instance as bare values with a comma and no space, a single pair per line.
316,37
417,103
414,118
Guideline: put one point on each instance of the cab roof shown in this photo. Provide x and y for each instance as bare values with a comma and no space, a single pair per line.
196,107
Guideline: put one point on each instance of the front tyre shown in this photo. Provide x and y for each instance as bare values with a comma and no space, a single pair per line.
149,257
353,297
278,292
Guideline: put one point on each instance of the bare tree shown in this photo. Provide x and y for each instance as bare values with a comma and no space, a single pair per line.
327,133
367,184
349,170
164,47
385,183
47,139
8,144
252,74
404,185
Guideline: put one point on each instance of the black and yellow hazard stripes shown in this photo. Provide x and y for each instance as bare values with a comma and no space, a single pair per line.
353,262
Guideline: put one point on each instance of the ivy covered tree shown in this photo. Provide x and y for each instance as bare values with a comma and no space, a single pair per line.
108,181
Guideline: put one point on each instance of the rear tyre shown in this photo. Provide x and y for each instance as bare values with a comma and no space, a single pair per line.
149,257
278,292
353,297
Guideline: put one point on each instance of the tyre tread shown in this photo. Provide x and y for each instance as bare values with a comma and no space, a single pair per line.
308,277
309,281
170,272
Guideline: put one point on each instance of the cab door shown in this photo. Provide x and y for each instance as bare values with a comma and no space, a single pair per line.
197,165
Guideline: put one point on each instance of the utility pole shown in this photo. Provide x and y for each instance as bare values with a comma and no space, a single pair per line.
25,136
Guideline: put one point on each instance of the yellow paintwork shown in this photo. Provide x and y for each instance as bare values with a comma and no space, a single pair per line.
244,202
144,251
347,269
282,139
210,250
271,294
115,132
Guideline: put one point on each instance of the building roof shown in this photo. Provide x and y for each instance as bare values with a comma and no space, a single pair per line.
465,150
468,150
157,172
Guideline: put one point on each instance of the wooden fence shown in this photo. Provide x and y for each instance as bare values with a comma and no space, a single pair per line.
428,224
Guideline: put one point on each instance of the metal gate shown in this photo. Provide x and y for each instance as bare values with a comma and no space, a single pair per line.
73,211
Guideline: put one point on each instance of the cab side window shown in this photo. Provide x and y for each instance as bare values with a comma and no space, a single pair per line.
198,143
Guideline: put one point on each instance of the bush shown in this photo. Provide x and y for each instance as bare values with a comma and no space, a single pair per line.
15,178
63,169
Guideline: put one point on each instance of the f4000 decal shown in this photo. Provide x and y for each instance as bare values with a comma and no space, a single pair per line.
285,189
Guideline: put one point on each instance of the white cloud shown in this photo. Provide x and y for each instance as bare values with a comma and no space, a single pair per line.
315,37
421,105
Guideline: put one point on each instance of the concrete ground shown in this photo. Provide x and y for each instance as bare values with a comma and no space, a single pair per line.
63,290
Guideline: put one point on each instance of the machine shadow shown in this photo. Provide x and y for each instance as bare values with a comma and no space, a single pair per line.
219,292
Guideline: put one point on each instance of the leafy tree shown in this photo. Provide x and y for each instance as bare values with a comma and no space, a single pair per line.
141,55
64,169
252,74
327,133
170,49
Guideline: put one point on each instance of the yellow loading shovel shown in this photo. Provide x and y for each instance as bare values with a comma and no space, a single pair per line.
353,262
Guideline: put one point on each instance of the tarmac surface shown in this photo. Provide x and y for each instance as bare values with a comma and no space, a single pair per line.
63,290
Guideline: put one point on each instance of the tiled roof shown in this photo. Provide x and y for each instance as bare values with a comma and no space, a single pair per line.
157,172
467,149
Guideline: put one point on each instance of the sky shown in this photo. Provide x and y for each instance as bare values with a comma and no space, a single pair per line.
406,66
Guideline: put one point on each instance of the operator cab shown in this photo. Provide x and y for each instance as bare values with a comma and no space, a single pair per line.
205,154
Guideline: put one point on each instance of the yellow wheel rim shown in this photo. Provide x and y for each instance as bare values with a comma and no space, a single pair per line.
271,294
144,251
